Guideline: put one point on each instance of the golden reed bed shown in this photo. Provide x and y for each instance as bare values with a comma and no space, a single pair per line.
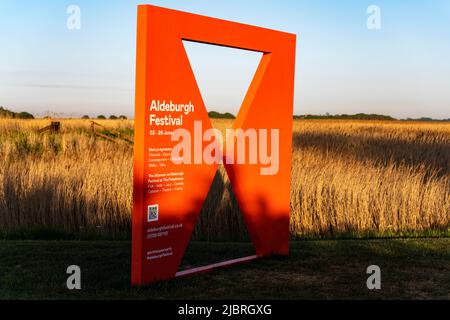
349,178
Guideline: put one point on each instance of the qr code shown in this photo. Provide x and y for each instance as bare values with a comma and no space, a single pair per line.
152,214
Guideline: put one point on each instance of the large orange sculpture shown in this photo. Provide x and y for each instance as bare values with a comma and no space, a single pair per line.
168,195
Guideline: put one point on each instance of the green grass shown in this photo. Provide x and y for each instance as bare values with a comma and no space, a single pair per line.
411,269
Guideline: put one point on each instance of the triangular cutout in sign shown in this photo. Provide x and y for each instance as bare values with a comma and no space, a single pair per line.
223,77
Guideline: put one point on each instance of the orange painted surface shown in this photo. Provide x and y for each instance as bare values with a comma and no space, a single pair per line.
164,73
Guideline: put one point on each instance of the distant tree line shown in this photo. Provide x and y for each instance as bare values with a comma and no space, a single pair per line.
5,113
102,117
218,115
426,119
358,116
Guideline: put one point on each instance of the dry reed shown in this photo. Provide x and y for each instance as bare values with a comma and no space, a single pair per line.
348,178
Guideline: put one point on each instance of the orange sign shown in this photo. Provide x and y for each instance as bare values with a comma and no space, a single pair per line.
177,153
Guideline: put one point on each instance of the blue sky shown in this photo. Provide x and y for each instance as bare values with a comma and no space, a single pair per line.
342,67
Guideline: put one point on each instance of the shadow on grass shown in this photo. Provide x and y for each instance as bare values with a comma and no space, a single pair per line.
411,269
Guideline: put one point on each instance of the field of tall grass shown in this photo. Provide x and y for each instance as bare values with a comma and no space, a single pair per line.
349,178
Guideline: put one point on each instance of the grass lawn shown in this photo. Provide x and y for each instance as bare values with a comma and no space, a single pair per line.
411,269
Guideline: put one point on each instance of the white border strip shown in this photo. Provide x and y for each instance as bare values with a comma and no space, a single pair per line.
215,265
